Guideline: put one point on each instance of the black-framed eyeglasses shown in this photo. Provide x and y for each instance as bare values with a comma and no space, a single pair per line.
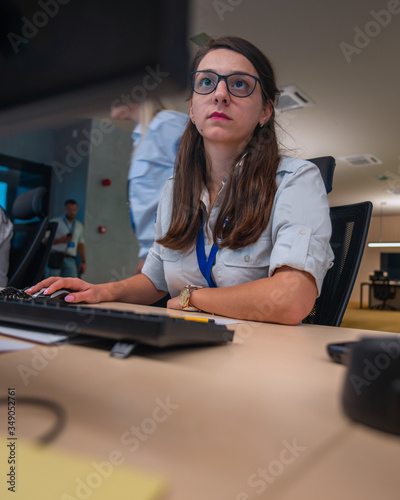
238,84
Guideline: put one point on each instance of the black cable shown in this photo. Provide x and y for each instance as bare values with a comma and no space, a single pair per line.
57,409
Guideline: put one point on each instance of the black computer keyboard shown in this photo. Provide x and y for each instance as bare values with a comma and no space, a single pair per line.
74,320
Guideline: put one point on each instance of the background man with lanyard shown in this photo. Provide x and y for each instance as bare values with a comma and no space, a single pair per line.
68,243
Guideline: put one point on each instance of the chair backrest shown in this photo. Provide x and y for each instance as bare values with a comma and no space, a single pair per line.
350,224
28,252
326,165
383,290
29,204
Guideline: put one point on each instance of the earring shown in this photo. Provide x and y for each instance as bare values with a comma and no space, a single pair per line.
194,123
261,125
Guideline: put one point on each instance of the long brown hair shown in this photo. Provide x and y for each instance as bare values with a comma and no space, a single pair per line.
250,188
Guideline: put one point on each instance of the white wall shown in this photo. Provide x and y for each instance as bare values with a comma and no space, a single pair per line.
113,255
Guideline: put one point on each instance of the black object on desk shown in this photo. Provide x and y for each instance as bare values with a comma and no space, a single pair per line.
340,352
371,392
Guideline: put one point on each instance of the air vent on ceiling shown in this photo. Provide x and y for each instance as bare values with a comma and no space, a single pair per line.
395,191
292,98
364,160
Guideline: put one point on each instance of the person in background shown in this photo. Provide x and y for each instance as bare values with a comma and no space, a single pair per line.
155,142
68,244
6,234
242,231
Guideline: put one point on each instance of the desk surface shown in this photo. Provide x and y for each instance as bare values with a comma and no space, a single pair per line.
260,418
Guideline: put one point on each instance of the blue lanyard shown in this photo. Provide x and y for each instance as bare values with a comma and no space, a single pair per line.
205,264
71,226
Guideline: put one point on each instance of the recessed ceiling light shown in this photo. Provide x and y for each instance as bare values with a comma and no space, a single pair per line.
362,160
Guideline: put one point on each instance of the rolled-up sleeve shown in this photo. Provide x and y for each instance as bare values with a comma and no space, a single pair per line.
301,226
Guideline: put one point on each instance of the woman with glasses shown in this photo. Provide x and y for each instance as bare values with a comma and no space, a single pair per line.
242,231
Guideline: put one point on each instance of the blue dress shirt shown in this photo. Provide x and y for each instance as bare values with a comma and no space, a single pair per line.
152,164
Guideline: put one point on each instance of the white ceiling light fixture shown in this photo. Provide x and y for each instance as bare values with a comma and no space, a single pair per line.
380,243
292,97
384,245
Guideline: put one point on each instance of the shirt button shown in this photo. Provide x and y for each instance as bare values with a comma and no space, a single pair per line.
208,241
303,231
162,251
246,258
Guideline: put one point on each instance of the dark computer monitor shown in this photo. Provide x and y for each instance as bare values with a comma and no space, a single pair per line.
390,262
63,58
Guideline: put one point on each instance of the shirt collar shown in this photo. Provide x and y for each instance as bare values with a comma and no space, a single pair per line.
205,197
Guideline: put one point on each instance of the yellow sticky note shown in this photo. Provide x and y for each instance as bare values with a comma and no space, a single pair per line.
33,472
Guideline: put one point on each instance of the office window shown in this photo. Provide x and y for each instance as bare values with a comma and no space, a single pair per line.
390,262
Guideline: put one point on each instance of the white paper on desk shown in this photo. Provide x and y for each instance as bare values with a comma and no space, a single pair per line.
13,345
41,338
225,321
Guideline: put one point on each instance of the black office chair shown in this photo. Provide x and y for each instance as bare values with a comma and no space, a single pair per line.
383,291
350,224
326,165
29,254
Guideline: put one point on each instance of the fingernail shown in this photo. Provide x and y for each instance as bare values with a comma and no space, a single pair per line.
30,289
69,298
46,291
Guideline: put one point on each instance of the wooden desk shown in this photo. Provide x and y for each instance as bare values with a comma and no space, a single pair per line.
260,418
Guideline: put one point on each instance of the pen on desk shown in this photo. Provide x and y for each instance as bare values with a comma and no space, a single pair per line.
198,318
195,318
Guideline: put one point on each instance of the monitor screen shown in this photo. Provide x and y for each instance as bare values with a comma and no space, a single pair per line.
390,262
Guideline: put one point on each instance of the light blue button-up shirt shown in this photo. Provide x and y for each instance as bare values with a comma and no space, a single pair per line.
297,235
152,164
